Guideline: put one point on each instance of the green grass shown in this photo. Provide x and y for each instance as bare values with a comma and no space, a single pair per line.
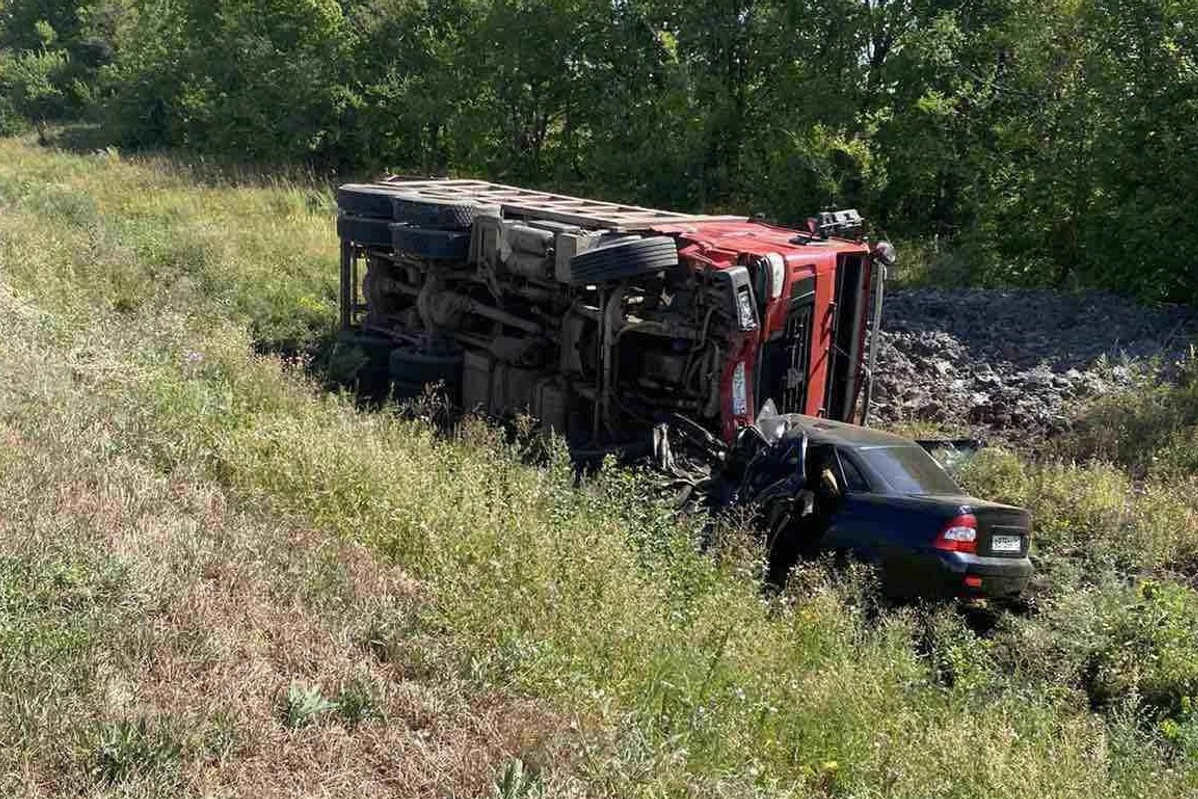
132,305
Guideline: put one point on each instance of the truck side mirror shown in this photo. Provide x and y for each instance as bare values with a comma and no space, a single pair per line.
885,254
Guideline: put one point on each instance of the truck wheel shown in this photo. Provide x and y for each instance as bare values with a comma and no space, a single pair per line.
365,200
623,259
439,214
419,368
361,360
435,245
364,230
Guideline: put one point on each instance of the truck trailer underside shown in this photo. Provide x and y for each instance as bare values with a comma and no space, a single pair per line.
599,318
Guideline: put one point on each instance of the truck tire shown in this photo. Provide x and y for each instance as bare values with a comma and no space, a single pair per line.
411,370
364,230
623,259
434,245
439,214
362,360
360,199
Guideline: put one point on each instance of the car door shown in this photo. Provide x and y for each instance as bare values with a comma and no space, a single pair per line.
859,524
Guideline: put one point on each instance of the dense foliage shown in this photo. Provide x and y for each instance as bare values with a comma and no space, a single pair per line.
1018,141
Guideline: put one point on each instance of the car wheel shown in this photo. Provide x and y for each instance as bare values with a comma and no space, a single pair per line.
782,540
434,245
364,230
623,260
439,214
366,200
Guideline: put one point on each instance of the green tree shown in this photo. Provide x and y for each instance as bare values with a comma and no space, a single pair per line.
260,81
31,81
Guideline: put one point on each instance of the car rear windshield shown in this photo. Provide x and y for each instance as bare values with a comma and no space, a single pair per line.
910,469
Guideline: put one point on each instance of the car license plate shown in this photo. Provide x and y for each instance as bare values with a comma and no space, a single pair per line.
1006,543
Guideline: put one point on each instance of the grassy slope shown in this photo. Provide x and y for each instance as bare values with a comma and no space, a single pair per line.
188,530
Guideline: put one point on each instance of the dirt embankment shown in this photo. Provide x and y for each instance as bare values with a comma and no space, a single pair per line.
1017,364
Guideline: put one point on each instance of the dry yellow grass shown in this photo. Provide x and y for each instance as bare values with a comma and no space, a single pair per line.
223,629
199,618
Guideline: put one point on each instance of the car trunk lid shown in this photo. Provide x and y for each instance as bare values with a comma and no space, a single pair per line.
1004,531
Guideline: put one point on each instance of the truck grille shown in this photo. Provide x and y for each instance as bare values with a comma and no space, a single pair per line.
786,357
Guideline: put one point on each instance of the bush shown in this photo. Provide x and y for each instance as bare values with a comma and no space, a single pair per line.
1152,430
1092,516
1118,643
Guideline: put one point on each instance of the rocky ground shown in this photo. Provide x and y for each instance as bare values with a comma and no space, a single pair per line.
1016,364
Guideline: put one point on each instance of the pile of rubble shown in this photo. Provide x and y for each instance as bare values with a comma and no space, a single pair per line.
1013,364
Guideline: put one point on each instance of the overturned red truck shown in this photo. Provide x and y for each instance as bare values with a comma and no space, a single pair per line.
599,318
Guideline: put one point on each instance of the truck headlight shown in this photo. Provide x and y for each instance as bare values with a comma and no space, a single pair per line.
740,396
744,309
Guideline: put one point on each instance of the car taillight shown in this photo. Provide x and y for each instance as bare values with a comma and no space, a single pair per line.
959,535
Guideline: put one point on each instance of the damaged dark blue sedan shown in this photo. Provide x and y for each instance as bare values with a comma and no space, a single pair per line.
820,485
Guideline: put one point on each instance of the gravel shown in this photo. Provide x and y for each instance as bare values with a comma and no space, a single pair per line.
1017,364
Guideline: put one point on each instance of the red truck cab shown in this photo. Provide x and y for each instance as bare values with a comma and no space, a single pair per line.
807,352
